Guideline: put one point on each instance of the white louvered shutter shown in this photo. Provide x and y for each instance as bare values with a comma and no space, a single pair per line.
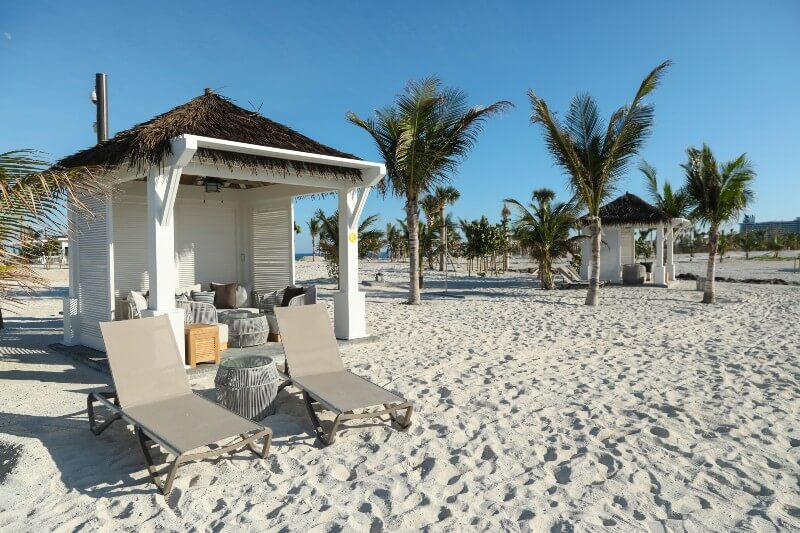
272,248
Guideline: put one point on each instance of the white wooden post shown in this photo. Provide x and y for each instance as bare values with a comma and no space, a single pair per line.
292,236
70,303
658,267
349,304
621,232
670,266
162,189
161,242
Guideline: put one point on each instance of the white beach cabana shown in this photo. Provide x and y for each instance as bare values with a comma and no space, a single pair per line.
204,193
620,220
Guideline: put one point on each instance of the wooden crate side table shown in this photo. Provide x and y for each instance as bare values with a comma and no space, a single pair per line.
202,344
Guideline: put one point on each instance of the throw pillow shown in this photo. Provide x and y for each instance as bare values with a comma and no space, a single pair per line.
139,301
206,297
224,295
241,296
187,290
289,293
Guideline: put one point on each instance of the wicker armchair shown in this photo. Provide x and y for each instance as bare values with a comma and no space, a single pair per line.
125,309
268,301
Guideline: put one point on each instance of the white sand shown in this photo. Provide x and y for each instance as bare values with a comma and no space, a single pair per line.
533,413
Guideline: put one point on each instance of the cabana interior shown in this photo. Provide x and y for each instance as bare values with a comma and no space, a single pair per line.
208,209
620,219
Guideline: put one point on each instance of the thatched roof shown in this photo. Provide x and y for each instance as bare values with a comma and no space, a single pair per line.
629,210
209,115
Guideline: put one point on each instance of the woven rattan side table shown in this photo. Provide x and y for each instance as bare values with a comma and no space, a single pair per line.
248,385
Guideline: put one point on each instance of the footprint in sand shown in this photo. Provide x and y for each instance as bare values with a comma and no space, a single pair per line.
563,474
550,454
659,432
611,464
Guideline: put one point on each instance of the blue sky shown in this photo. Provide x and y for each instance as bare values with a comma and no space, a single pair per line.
734,83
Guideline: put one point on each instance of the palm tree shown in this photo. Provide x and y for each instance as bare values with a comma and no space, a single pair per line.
792,241
674,203
505,217
544,228
393,241
443,197
596,156
422,138
32,195
313,230
369,239
750,241
642,246
775,245
723,245
717,193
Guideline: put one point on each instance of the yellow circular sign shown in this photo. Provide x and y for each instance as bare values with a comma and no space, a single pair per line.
353,237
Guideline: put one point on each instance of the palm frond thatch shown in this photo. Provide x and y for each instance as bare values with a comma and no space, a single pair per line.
209,115
629,210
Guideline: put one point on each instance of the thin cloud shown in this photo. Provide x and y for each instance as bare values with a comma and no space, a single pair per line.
7,36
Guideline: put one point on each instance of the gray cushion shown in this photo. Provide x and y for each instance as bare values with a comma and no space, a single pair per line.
203,296
187,290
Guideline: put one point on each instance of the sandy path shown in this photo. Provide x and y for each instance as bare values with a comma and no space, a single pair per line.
533,413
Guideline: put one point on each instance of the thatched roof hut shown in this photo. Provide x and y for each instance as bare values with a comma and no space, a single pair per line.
210,115
630,210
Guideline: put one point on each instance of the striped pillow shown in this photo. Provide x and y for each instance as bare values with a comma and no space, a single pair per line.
206,297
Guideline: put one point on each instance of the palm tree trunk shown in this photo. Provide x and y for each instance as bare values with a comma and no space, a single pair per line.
708,289
593,295
443,244
313,250
412,220
546,274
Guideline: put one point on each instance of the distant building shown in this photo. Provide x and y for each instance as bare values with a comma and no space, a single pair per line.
771,228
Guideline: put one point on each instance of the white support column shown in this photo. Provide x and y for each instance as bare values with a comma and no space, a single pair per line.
350,317
162,184
621,233
658,267
70,303
292,236
670,266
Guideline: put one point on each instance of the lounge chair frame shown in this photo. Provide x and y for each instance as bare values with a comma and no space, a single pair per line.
329,437
312,324
154,396
145,439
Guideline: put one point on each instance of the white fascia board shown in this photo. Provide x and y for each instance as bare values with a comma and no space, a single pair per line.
371,172
680,223
314,184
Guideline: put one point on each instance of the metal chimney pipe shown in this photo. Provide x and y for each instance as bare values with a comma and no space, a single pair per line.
101,89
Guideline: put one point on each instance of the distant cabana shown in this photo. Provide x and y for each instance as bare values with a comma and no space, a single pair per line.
620,219
204,193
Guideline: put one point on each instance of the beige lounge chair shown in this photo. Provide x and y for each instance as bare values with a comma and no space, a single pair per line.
315,367
153,394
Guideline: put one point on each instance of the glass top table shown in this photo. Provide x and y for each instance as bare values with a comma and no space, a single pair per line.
246,361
